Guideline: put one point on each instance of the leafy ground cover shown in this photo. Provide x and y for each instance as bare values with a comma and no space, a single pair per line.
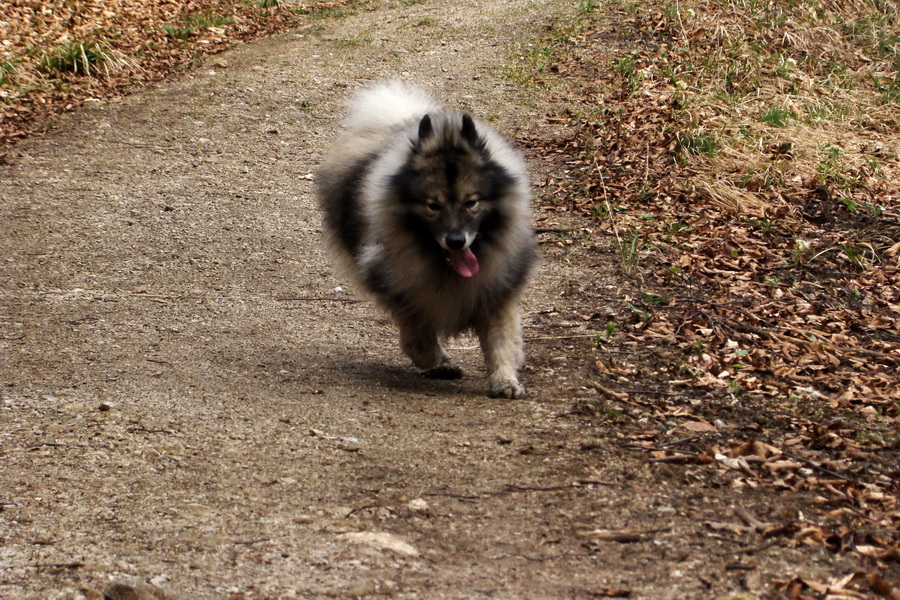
57,55
745,157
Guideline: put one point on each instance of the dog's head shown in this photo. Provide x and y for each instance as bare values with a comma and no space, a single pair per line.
451,188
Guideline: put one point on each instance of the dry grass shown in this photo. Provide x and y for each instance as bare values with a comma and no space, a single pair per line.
804,79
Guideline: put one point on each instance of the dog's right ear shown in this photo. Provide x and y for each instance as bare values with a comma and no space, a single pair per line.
425,128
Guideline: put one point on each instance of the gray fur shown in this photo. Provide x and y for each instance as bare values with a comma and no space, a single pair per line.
407,186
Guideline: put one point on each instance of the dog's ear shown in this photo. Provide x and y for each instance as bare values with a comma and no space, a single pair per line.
425,128
469,133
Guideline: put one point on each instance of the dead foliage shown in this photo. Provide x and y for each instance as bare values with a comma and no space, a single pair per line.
57,55
744,160
788,288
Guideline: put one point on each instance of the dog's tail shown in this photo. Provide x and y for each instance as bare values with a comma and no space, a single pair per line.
387,105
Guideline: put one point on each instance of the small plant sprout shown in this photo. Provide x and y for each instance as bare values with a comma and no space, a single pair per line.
776,116
851,205
800,250
787,66
853,254
612,414
7,68
695,144
765,226
630,252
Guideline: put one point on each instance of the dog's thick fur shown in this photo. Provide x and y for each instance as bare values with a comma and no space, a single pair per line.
429,210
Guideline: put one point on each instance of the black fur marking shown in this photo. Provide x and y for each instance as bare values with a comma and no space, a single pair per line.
521,268
451,172
376,281
342,211
425,128
499,179
421,232
405,184
514,278
469,133
493,225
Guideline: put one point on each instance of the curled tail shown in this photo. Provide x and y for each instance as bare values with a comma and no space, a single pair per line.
387,105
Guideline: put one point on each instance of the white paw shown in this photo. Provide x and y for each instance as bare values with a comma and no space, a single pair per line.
506,388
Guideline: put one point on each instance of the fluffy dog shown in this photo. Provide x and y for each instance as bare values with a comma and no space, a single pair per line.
428,209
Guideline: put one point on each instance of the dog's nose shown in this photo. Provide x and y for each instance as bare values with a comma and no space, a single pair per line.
455,241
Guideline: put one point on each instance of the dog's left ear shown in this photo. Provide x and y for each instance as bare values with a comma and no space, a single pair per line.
469,133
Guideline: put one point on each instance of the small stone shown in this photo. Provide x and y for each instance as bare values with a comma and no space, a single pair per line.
418,505
91,594
380,540
135,590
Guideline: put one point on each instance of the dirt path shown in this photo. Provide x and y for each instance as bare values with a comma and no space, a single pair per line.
168,415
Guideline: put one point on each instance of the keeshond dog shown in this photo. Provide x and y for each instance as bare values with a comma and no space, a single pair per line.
428,209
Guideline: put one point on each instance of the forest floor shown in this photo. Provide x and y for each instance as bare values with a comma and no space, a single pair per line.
195,405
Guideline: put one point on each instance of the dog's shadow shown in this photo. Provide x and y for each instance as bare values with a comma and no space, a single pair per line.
392,376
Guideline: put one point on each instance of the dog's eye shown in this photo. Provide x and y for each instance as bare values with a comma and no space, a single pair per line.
433,206
471,204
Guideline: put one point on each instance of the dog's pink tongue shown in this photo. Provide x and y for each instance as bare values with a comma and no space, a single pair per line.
464,262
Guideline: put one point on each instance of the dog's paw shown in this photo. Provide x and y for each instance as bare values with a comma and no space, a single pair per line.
444,371
509,388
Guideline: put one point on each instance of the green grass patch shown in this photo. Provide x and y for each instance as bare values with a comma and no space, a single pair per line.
776,116
189,24
701,144
81,57
8,69
360,39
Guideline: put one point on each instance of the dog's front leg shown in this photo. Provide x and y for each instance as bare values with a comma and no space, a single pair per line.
427,352
501,341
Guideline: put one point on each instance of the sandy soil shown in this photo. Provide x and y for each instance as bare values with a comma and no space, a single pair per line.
189,399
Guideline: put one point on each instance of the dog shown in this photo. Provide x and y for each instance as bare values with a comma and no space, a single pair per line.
428,210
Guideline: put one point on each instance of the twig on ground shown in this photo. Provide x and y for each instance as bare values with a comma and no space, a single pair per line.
320,299
611,393
553,230
748,519
623,536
